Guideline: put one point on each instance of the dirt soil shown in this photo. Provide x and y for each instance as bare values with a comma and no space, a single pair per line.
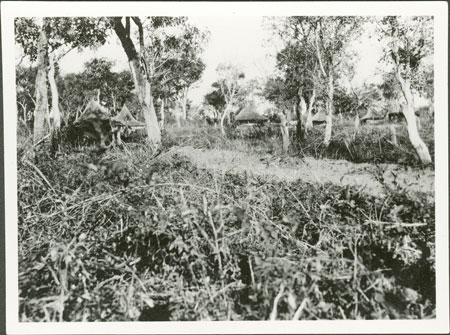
369,178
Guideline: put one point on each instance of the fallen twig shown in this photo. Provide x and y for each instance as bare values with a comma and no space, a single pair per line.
397,224
300,309
273,315
39,172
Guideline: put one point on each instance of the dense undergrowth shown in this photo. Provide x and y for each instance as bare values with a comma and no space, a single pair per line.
371,144
180,243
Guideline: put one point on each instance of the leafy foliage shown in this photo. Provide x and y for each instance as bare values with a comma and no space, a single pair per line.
180,243
71,32
173,53
409,42
115,88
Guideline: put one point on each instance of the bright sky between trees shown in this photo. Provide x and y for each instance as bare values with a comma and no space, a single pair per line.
242,41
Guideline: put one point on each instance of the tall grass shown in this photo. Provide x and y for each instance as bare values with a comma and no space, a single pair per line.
371,144
182,243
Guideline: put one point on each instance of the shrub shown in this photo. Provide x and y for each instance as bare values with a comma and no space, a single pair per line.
182,243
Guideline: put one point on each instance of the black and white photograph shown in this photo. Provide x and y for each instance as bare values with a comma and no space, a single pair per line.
226,163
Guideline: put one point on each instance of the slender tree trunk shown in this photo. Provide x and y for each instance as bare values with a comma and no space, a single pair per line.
184,103
413,132
55,112
300,113
309,124
284,133
222,121
394,135
141,83
143,92
113,97
303,108
357,122
329,115
162,116
40,111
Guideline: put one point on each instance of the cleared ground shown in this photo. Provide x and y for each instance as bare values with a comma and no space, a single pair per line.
370,179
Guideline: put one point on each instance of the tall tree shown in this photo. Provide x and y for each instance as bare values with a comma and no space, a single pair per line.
174,58
115,88
323,41
278,91
409,41
140,72
63,34
40,111
231,86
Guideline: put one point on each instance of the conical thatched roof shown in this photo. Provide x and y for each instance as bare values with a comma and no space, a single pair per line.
320,116
250,113
94,111
125,118
373,114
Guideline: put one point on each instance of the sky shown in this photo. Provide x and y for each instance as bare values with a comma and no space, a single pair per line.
238,40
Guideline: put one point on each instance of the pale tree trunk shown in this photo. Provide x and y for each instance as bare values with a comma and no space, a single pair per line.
113,97
413,132
222,121
178,118
302,106
178,112
300,111
139,73
161,113
284,132
143,92
55,112
357,122
47,118
309,123
40,111
329,115
394,135
184,103
24,111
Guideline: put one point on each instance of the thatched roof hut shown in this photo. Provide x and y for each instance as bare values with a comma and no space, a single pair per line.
250,114
373,114
94,111
319,117
125,118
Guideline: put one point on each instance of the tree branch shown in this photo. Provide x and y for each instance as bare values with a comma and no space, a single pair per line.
316,41
126,41
127,26
138,23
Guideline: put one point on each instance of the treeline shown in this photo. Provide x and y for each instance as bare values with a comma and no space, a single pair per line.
164,55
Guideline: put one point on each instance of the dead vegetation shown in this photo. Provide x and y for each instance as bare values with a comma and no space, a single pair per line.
177,241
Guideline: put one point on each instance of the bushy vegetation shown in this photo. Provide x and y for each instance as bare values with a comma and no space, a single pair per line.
179,243
371,144
140,232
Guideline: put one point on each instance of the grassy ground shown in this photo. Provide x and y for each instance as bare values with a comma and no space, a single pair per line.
371,144
180,243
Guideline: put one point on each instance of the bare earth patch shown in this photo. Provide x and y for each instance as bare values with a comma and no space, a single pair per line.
371,179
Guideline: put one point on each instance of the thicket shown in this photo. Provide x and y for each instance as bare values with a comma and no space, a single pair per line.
371,144
180,243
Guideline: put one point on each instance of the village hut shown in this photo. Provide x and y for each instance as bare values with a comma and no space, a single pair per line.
319,117
124,118
373,115
250,114
124,122
93,111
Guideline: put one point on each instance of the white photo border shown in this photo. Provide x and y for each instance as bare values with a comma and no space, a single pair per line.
438,9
